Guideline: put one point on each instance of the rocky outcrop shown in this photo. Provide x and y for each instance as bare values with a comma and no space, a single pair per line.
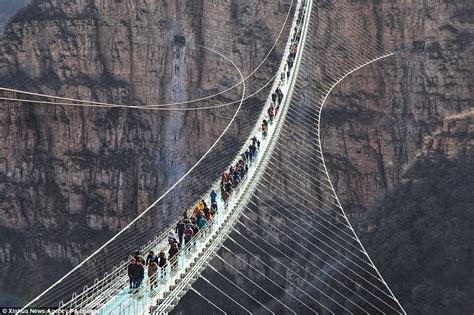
8,9
433,196
454,140
378,119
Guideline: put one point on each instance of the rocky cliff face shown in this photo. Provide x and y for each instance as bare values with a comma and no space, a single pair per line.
380,118
433,201
71,177
84,173
8,9
376,124
454,140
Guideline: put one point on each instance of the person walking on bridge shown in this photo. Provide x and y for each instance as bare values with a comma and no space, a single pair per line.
140,274
201,205
254,140
139,257
152,274
172,255
271,113
180,230
162,263
213,200
202,223
135,273
291,60
151,256
228,187
188,234
131,272
253,151
279,95
264,128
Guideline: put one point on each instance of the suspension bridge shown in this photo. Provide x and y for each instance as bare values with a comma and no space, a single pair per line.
281,242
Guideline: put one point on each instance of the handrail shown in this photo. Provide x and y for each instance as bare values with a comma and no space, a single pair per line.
119,273
202,232
263,161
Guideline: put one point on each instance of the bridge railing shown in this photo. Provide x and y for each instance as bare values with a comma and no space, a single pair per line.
115,280
173,266
97,296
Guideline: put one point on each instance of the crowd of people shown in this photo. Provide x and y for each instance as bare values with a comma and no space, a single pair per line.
202,215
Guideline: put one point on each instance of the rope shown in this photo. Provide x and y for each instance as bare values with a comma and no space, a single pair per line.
155,202
240,289
312,253
309,226
266,277
208,301
272,257
226,295
186,102
254,283
321,269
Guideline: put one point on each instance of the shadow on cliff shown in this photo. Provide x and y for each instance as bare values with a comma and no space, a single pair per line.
420,236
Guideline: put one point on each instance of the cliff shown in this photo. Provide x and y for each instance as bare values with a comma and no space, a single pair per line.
71,177
377,120
384,128
420,231
398,139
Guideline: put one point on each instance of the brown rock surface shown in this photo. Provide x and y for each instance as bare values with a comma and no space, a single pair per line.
69,178
375,124
377,120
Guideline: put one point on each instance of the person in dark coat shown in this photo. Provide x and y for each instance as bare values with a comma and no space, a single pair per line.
253,151
180,230
172,255
290,62
228,187
140,274
131,271
213,196
213,200
139,257
162,262
254,140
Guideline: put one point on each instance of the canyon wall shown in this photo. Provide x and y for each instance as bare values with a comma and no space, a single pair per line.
84,173
377,123
379,119
70,177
